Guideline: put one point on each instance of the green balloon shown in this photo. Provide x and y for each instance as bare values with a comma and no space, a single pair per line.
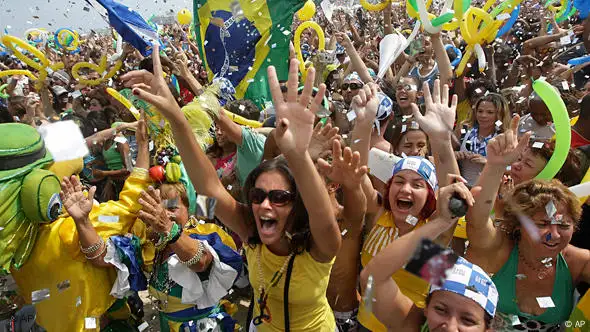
440,20
563,134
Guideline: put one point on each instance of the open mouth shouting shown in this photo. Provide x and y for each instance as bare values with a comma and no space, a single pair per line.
268,225
404,205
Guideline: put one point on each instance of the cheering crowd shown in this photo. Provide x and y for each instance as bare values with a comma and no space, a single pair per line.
313,202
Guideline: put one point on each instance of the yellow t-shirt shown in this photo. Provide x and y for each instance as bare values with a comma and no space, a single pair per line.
308,306
382,234
56,258
463,111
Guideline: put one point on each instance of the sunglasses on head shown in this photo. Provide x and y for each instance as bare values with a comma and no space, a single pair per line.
352,86
275,197
407,87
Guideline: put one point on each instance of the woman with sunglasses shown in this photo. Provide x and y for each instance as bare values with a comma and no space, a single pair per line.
409,199
288,222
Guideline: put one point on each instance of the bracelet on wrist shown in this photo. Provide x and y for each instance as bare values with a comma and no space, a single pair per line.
167,237
93,248
104,248
176,237
197,257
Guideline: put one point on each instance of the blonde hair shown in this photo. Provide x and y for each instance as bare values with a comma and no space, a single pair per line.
531,197
167,188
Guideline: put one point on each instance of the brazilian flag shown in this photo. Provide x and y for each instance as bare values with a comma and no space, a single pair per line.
239,39
579,320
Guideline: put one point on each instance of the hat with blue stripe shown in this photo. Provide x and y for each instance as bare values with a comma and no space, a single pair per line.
471,281
421,166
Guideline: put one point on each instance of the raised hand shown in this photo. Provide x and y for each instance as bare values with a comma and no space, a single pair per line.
439,118
152,211
321,139
294,118
366,103
74,200
345,168
505,148
152,87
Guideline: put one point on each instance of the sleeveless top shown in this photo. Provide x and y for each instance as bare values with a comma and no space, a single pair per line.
562,296
112,158
382,234
309,309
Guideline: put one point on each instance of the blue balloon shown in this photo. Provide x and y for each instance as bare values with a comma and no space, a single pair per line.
508,25
579,61
458,52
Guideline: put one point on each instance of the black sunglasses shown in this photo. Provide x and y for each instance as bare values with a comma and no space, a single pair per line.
352,86
276,197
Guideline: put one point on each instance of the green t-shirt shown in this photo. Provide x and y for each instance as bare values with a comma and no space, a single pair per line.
249,153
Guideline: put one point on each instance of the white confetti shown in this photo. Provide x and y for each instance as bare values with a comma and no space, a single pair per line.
344,232
89,323
40,295
143,326
545,302
103,218
538,145
565,86
351,116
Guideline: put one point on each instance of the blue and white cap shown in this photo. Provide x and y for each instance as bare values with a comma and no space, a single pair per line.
419,165
383,110
471,281
226,90
354,76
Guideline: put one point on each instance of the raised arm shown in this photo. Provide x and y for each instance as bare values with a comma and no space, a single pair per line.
347,171
293,134
392,307
153,89
365,106
502,150
437,123
442,59
355,59
232,130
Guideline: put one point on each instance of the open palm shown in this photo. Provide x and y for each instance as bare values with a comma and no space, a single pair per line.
439,118
345,168
74,200
152,88
295,119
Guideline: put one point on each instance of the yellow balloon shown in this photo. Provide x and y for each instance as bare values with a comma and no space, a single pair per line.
100,68
13,72
243,121
375,7
184,16
120,98
297,42
307,11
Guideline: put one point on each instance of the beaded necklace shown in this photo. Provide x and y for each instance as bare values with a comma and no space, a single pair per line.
264,290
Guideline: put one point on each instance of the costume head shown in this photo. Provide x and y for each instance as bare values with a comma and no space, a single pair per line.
29,191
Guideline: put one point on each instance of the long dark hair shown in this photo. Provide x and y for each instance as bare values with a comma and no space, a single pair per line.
298,217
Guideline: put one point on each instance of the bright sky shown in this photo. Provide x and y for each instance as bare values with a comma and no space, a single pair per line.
19,15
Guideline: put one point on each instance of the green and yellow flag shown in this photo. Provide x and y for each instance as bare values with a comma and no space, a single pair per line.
579,320
238,40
